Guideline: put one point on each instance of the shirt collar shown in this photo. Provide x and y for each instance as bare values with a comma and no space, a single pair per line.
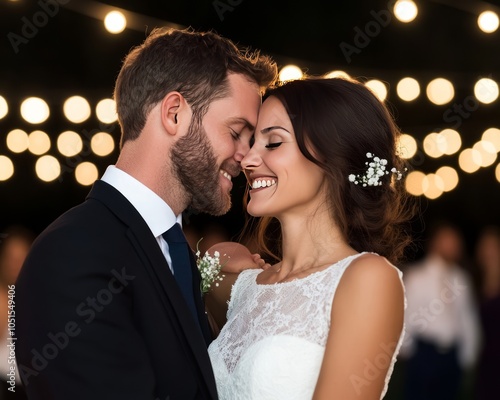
153,209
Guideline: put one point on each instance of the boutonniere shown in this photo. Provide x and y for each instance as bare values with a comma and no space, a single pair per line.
209,267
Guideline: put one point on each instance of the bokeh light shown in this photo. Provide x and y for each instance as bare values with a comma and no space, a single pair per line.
486,90
449,177
488,21
469,160
106,111
17,141
39,142
377,87
440,91
449,141
488,152
407,146
76,109
408,89
86,173
4,107
47,168
102,144
290,73
338,74
115,22
6,168
413,183
433,186
405,10
433,145
35,110
69,143
492,135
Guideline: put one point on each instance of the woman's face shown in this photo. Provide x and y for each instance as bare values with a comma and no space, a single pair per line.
282,180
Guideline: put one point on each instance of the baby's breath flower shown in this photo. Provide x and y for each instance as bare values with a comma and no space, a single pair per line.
376,169
209,267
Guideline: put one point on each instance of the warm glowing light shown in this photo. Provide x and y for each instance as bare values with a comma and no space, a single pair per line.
449,176
413,183
488,21
469,160
407,146
449,141
433,186
6,168
378,88
408,89
440,91
405,10
17,141
492,135
106,111
4,107
102,144
497,172
433,144
76,109
488,152
69,143
86,173
338,74
47,168
290,73
486,90
115,22
39,142
35,110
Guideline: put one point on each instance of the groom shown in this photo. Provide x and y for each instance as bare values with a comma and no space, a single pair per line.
108,302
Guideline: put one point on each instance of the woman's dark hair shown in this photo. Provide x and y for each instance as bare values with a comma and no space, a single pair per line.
196,64
336,123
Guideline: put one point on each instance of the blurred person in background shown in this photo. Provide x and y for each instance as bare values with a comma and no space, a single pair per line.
14,246
442,331
487,253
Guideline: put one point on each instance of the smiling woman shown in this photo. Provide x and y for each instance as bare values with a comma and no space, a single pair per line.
334,301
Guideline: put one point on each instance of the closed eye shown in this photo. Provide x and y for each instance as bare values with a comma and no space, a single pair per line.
235,135
273,145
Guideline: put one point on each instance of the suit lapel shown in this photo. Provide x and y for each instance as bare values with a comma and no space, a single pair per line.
142,239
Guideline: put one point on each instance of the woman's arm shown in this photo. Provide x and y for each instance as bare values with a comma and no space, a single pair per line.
234,258
367,320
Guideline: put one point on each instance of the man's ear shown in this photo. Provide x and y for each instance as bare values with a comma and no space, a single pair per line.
171,105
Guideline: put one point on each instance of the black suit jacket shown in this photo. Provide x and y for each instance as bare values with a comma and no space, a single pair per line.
99,315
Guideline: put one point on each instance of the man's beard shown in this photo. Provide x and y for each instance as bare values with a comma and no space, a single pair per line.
195,165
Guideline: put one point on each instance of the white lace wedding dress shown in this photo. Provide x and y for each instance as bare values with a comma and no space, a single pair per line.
272,346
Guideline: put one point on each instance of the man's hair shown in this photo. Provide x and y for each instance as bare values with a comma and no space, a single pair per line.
196,64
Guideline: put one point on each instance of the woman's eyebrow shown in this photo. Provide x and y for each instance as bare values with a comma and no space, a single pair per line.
272,128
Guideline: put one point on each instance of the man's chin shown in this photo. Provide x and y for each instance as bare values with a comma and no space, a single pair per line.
216,210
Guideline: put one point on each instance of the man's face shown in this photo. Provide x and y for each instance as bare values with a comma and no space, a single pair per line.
208,156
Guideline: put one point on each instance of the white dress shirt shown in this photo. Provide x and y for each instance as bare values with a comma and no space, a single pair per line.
441,309
156,213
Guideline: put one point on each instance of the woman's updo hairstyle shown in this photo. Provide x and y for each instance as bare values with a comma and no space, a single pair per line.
336,123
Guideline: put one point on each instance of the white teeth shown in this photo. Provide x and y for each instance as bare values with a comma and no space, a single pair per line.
258,183
225,174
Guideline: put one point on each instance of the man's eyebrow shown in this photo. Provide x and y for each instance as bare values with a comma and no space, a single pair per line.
272,128
243,121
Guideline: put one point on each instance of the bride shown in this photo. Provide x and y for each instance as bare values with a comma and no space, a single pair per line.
326,321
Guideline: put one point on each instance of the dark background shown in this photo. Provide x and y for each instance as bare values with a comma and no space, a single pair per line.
73,54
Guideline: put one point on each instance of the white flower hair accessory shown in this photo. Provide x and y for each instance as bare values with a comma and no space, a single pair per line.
376,169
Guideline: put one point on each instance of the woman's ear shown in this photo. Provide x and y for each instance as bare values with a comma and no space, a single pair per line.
171,105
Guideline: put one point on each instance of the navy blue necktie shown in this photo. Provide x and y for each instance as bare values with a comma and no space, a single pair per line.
181,264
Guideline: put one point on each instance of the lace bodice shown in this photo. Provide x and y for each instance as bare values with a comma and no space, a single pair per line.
273,342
